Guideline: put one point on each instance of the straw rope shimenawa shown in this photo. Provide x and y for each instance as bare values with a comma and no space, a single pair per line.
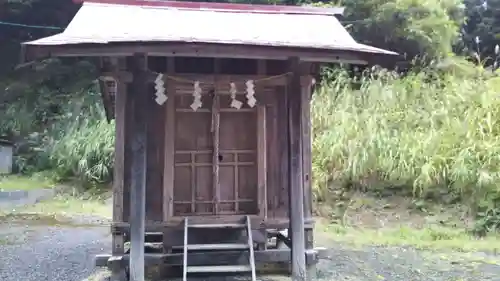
184,80
197,82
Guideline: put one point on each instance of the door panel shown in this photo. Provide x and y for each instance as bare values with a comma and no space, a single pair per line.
194,190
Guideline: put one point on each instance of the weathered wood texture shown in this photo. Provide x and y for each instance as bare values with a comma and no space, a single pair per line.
193,181
295,170
138,168
120,137
253,146
305,130
198,50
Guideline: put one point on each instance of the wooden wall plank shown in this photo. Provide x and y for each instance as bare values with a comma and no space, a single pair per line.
155,145
273,167
261,147
283,151
262,160
169,151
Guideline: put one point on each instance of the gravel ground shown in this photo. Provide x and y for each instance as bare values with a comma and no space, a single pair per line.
49,253
37,252
403,264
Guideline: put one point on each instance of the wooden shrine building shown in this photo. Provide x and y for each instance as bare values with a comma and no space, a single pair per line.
213,143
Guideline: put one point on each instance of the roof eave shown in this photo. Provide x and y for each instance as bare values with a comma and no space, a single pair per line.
34,52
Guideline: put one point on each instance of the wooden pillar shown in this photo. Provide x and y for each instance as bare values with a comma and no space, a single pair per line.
261,148
282,147
296,183
216,138
138,167
169,151
307,170
306,149
118,239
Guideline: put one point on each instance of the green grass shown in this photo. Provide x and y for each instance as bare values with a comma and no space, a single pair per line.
16,182
67,206
62,205
5,241
61,208
428,238
100,275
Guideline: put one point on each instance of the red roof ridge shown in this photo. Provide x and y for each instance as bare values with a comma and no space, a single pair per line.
224,7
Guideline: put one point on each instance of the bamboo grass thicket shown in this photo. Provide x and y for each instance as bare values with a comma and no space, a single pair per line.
421,131
86,151
82,143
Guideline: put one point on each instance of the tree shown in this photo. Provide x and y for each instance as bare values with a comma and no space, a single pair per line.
51,15
425,28
481,33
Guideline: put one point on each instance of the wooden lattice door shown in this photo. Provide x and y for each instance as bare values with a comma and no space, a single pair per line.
196,191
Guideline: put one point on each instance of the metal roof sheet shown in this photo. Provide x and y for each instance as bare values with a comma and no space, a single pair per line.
227,7
102,23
